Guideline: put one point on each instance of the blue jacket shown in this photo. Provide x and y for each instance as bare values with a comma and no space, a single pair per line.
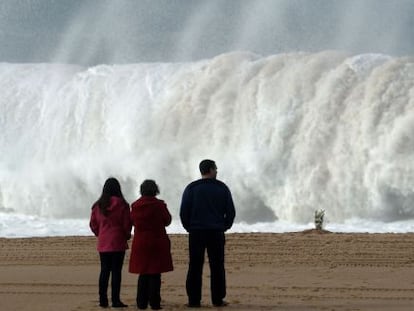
207,205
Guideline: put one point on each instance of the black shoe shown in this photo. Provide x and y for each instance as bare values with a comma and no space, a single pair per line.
221,304
142,306
103,304
119,304
193,305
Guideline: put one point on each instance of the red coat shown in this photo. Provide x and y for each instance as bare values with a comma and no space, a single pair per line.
151,247
112,230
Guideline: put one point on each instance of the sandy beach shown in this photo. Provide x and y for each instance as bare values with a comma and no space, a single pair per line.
289,271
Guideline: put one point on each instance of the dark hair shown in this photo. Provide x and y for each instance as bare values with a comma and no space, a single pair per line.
111,188
206,165
149,188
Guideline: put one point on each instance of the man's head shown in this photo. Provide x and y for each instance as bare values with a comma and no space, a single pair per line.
208,169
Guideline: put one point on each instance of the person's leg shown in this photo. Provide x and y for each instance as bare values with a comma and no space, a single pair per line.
155,291
143,291
117,263
104,278
196,248
215,251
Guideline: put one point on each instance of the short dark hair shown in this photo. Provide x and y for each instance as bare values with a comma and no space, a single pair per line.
149,188
206,165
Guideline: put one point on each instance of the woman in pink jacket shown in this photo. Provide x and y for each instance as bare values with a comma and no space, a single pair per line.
111,223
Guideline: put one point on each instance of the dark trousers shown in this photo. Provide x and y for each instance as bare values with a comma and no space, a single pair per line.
149,287
111,262
213,241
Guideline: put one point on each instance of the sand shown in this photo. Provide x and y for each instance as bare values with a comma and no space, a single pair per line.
290,271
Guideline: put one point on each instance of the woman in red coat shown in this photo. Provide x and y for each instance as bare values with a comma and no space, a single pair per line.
151,247
111,223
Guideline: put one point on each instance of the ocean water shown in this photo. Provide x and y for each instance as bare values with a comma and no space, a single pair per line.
23,226
291,133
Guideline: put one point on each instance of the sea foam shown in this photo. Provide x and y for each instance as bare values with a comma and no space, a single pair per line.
291,133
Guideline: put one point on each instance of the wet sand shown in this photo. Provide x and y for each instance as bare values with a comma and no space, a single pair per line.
290,271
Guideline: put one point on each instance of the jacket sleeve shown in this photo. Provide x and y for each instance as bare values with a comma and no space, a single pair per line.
230,211
185,209
127,221
166,217
94,223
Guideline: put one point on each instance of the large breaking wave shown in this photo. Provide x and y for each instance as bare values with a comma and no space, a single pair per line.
291,133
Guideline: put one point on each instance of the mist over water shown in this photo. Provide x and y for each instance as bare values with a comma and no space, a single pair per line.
317,113
94,32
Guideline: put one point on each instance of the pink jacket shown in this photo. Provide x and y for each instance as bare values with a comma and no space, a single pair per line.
114,230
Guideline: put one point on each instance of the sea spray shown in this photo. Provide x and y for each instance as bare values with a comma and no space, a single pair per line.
291,133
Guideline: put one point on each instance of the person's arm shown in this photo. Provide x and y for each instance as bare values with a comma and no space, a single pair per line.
230,211
166,216
185,209
93,223
127,222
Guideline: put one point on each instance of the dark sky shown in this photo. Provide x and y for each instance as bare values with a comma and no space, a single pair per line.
91,32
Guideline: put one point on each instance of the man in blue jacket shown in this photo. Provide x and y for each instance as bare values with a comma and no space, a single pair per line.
206,212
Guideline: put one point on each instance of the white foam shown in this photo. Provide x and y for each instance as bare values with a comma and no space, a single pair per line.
291,133
16,225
